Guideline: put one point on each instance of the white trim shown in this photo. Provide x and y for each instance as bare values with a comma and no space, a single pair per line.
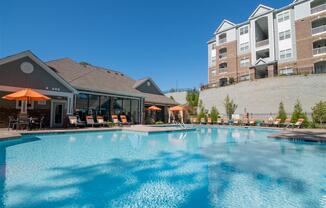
269,9
40,63
52,111
223,22
45,92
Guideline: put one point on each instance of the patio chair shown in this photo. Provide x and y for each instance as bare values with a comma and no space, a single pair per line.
124,120
299,123
245,122
13,123
219,121
252,122
277,122
203,121
287,123
236,122
209,120
100,121
36,123
90,121
194,120
115,120
74,121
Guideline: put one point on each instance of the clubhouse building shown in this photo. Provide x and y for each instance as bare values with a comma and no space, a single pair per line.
77,88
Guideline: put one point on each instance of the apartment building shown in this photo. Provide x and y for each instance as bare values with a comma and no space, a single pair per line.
272,42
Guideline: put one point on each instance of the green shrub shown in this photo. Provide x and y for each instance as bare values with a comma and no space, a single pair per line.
230,107
281,112
159,122
231,80
319,113
214,114
298,113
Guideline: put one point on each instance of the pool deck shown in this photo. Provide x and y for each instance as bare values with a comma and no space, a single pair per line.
12,134
313,135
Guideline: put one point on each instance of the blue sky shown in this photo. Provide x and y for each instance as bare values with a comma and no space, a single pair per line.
163,39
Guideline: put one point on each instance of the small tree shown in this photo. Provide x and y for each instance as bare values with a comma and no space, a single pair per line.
281,112
230,107
319,113
298,113
214,114
192,101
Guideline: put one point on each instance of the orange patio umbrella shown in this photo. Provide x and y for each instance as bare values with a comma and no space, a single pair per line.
26,94
154,108
176,108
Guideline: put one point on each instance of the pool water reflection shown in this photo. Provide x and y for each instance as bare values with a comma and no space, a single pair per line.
209,167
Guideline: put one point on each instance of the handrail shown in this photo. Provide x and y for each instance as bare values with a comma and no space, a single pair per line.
319,29
320,50
262,43
319,8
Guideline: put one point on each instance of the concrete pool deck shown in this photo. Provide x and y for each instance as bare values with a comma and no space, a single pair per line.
313,135
12,134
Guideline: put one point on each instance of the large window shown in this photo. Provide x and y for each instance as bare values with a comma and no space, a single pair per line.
245,62
244,30
285,35
244,47
283,16
117,106
135,111
286,54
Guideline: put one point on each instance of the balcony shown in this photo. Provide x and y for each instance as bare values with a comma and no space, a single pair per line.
319,29
319,51
262,43
319,8
223,40
222,69
222,55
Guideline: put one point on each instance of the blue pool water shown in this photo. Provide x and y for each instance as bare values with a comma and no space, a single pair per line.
209,167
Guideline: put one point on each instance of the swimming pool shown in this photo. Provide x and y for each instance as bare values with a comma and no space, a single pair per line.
209,167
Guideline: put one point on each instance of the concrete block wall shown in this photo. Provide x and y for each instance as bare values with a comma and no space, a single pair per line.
179,97
262,97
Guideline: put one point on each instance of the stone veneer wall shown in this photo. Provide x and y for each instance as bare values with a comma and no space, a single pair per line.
262,97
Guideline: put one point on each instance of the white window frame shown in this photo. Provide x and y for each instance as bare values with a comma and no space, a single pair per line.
244,30
214,72
244,47
287,71
283,16
30,104
286,54
285,35
244,62
41,102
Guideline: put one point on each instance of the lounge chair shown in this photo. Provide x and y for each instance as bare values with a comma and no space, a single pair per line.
101,122
209,121
115,120
194,120
90,121
277,122
219,121
299,123
287,123
245,122
124,120
252,122
74,121
236,122
202,121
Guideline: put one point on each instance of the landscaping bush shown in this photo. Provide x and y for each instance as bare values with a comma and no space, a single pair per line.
214,114
192,101
319,114
298,113
230,107
281,112
159,122
231,80
201,113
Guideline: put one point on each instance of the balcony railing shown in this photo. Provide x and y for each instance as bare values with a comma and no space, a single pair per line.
222,69
262,43
318,9
223,40
321,50
222,55
319,29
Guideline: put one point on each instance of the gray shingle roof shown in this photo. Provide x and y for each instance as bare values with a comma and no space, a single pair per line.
87,77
